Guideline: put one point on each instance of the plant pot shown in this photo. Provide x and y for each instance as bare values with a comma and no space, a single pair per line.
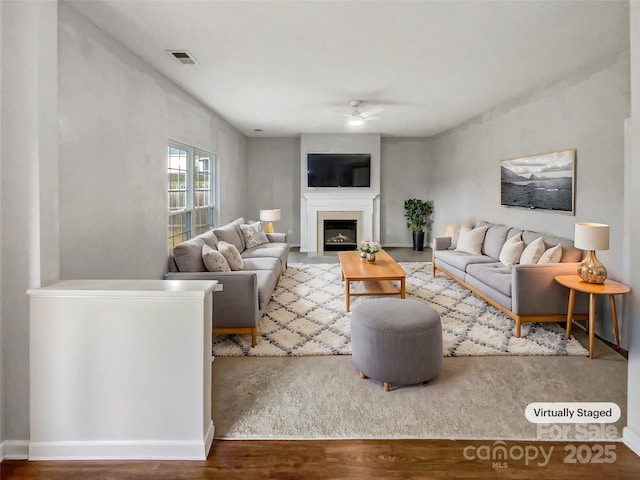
371,257
418,241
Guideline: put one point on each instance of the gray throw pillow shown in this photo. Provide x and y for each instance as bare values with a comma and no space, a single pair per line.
230,233
214,260
232,255
253,235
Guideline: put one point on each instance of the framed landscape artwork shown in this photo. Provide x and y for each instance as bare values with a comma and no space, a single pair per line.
543,181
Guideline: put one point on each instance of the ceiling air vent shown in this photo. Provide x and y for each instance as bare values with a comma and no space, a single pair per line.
183,57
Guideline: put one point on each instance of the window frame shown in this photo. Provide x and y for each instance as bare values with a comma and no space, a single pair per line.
191,209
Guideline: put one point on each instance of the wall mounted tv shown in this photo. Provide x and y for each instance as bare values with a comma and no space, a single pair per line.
339,169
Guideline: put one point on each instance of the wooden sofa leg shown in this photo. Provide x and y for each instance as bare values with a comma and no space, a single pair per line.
254,336
518,323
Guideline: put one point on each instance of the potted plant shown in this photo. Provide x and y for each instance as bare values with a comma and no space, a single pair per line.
417,212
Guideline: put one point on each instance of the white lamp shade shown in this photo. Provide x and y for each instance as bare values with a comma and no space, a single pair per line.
270,215
592,236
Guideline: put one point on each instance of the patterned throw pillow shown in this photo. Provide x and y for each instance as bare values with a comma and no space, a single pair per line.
232,255
214,260
253,235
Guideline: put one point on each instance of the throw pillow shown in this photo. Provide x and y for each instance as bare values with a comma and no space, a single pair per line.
511,250
232,255
214,260
532,252
253,235
551,255
470,241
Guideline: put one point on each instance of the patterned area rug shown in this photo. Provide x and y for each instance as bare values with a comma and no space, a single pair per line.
306,316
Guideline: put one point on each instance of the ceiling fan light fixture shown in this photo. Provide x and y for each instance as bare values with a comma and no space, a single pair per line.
356,121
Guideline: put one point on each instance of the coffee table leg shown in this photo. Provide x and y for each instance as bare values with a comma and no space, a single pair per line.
347,294
402,288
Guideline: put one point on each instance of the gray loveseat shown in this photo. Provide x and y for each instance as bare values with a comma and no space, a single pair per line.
527,293
237,309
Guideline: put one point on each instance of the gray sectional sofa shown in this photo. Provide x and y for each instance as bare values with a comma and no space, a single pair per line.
525,292
237,309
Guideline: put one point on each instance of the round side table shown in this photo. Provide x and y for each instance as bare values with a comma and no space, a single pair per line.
575,284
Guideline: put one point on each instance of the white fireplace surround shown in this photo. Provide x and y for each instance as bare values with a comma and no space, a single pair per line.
360,206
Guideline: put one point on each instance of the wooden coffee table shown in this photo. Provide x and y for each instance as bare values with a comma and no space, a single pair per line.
376,277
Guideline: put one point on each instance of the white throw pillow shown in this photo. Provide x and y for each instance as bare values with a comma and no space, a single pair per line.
232,255
253,235
551,255
470,241
511,250
214,260
532,252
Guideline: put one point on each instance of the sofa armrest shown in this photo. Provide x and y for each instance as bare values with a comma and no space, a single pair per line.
534,290
441,243
237,304
277,237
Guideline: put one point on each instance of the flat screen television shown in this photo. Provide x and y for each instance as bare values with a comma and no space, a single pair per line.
339,169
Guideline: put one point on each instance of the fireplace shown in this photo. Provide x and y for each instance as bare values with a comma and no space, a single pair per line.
340,235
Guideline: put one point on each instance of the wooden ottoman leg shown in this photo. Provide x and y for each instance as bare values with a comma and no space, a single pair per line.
362,375
387,387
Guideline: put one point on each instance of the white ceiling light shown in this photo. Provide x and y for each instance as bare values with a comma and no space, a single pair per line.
357,118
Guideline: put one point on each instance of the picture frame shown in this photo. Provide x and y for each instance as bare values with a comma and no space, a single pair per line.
544,181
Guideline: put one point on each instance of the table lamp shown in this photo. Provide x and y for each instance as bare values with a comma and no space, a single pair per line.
592,237
270,216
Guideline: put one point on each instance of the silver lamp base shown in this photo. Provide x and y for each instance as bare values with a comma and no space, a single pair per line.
591,270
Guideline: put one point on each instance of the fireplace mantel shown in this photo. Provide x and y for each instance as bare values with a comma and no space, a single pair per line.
315,202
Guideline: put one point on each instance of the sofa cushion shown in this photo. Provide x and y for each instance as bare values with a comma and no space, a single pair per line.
230,233
532,252
209,238
551,255
270,250
494,240
263,263
253,235
232,255
213,260
495,275
188,255
470,241
511,251
460,260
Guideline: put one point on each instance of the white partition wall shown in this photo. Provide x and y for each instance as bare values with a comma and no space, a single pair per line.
121,369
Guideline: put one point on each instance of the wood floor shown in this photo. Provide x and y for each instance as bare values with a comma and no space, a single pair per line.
360,459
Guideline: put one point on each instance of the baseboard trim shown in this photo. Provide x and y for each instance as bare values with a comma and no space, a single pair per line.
14,450
631,439
126,450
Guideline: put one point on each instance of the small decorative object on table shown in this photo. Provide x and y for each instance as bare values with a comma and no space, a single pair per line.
368,250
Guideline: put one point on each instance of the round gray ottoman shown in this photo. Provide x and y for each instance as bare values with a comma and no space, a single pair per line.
396,341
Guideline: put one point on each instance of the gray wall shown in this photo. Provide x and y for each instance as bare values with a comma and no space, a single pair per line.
632,199
274,173
405,172
116,115
586,112
84,130
28,193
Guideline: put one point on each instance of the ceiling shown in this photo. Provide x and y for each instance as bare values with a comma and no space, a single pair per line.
291,67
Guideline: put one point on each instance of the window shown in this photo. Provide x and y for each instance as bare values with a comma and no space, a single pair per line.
192,187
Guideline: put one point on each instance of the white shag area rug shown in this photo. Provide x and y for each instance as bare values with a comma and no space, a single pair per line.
306,316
